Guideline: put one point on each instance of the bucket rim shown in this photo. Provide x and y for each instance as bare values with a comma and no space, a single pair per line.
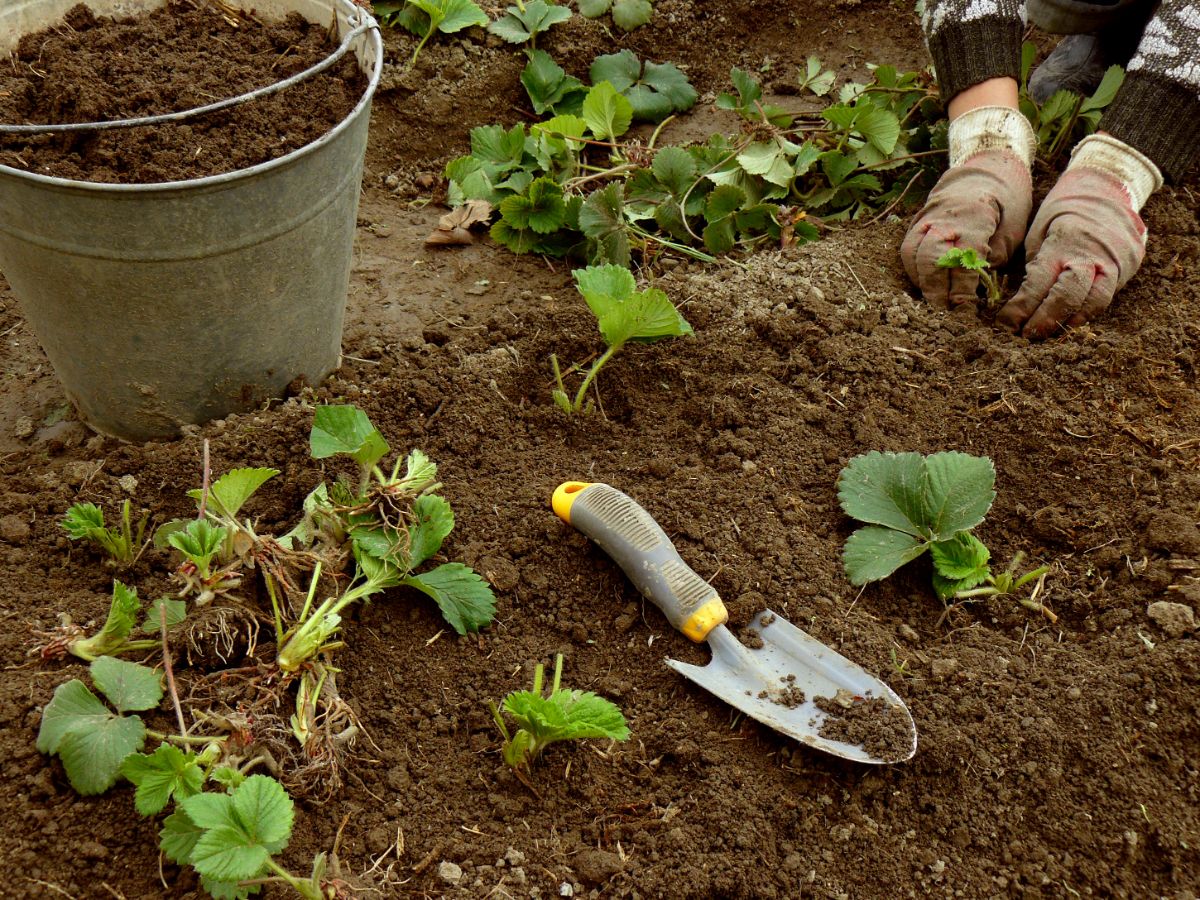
352,9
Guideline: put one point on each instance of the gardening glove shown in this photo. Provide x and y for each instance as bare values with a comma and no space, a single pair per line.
1087,239
982,202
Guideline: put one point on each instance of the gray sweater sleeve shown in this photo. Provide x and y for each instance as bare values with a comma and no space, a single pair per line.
973,40
1157,109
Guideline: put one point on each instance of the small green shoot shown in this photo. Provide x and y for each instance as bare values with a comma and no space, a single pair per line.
1009,584
86,521
561,716
967,258
91,740
522,23
199,542
623,314
113,638
627,14
426,17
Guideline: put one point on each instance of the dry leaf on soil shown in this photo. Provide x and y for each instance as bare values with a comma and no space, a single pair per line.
454,228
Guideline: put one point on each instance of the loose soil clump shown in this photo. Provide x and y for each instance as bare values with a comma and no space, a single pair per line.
93,69
879,727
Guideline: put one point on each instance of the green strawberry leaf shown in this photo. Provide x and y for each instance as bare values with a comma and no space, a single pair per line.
466,600
961,557
178,837
607,112
229,492
128,686
602,220
346,429
167,773
630,14
73,707
541,209
176,613
93,756
873,552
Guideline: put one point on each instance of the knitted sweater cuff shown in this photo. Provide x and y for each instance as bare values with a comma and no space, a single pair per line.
967,53
1160,118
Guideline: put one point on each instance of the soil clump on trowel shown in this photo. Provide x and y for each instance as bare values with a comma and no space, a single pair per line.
880,728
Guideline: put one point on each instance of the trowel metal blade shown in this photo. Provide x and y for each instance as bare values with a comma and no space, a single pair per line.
739,675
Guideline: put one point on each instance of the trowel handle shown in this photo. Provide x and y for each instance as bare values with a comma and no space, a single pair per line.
629,534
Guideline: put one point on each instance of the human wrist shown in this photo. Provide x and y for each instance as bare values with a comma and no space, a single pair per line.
991,128
1134,170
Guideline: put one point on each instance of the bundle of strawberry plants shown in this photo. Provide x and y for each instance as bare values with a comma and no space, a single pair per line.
576,184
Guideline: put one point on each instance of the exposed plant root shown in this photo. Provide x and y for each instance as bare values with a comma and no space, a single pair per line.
216,636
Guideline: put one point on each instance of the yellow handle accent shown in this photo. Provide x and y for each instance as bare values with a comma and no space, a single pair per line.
564,496
705,619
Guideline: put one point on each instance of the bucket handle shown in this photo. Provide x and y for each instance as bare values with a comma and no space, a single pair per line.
365,23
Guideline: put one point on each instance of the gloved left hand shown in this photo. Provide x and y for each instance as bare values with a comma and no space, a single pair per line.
1086,241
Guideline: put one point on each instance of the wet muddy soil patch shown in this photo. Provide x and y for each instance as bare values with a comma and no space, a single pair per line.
91,69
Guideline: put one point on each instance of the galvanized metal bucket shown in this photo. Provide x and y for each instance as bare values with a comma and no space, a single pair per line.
162,305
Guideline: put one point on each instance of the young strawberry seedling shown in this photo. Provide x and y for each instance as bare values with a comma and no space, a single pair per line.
624,314
424,18
85,521
913,504
967,258
562,715
522,23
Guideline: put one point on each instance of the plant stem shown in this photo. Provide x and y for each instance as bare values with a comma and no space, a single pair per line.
539,675
312,590
558,664
591,376
184,739
166,655
270,580
301,886
204,483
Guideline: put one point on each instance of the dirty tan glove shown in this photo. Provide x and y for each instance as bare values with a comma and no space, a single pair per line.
982,202
1086,241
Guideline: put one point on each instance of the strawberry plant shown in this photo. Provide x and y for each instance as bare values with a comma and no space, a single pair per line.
913,504
90,739
424,18
584,189
1065,116
85,521
522,23
967,258
623,314
113,638
562,715
626,14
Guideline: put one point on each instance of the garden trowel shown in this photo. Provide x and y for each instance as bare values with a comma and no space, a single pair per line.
777,680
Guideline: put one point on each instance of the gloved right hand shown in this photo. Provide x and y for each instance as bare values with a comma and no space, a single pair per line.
982,202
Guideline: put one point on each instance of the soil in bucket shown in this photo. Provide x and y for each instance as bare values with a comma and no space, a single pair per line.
183,55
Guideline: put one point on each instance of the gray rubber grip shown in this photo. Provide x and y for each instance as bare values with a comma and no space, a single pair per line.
629,534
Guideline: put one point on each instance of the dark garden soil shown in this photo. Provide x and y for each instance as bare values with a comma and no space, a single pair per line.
1054,759
184,55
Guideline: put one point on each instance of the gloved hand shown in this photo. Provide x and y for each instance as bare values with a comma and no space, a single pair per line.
1086,241
983,204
